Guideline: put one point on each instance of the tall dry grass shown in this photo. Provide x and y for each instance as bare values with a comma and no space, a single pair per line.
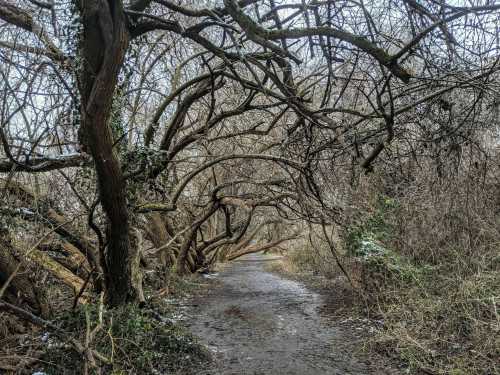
424,250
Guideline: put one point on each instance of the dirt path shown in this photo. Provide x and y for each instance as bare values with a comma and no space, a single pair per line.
257,322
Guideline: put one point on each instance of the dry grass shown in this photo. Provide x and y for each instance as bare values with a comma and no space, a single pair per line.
426,256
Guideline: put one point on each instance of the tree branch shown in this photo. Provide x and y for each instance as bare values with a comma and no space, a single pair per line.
24,20
45,163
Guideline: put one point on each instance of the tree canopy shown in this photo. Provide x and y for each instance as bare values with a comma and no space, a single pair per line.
202,125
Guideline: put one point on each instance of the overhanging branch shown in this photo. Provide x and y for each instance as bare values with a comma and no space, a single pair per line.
45,164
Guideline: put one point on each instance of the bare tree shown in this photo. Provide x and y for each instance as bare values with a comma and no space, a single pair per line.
165,96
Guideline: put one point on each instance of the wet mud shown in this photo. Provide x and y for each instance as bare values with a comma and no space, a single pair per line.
257,322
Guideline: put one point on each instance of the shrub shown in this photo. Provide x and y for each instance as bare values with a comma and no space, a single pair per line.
137,341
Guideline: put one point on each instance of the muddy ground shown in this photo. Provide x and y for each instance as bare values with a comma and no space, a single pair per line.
257,322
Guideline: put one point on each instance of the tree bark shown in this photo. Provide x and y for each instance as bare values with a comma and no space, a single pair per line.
20,284
157,233
104,42
57,270
73,242
72,259
183,257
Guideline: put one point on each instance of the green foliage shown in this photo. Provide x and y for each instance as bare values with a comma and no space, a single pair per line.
116,121
394,269
137,341
363,238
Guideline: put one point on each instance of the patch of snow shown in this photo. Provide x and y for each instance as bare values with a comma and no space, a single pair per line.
210,275
25,211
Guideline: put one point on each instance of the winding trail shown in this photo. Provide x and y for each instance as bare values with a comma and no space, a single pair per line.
256,322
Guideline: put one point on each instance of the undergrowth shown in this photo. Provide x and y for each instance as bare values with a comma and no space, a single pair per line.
134,340
428,268
440,310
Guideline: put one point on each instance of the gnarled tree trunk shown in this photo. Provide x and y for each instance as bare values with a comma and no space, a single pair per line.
157,233
104,42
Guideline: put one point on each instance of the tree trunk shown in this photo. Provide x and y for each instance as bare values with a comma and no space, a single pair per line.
16,275
74,243
158,235
104,42
74,261
57,270
180,266
183,257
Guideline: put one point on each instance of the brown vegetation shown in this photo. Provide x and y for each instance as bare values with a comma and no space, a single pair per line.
146,139
423,257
